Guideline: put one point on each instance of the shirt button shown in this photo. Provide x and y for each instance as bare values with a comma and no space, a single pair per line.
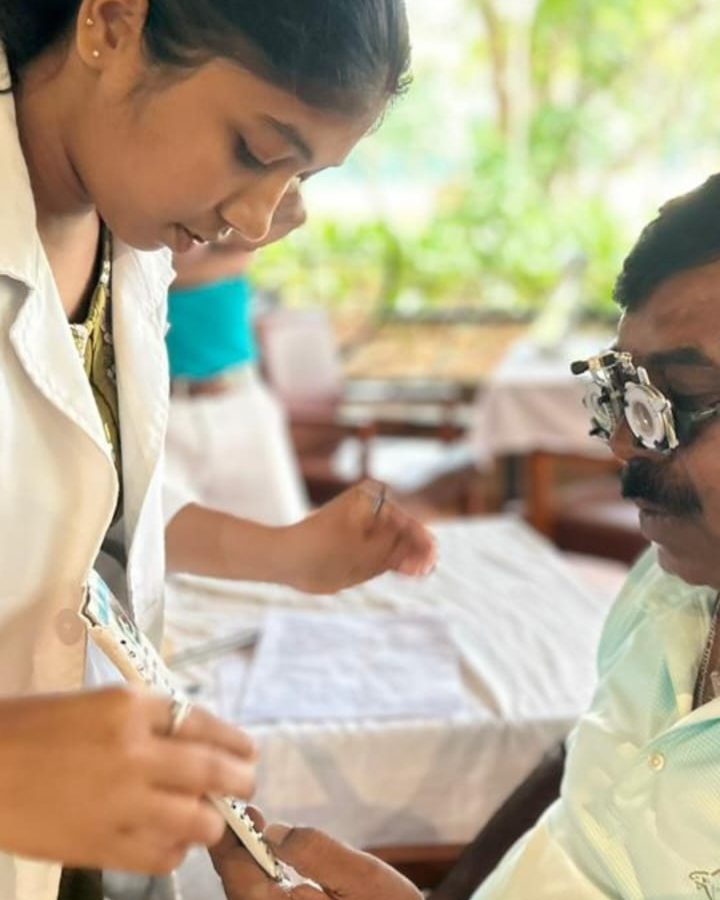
656,762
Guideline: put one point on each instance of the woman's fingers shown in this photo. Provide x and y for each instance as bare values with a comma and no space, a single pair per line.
185,820
141,851
152,784
415,552
202,727
409,547
190,768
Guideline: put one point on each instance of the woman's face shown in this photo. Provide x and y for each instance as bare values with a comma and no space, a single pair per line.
168,158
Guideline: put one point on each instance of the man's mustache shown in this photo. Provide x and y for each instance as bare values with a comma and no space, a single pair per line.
644,480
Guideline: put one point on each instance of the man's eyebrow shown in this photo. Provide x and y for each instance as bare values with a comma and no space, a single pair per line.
292,136
681,356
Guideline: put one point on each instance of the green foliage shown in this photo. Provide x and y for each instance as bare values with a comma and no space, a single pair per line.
615,94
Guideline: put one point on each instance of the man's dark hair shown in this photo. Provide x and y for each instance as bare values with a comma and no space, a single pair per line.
342,55
686,234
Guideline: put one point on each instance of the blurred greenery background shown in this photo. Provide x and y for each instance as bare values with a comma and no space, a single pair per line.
536,133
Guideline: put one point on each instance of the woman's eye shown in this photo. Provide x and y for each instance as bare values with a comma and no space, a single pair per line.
245,155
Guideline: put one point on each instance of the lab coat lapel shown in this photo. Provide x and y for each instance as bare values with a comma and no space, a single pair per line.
139,289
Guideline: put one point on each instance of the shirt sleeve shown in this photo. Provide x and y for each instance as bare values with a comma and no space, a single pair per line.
177,492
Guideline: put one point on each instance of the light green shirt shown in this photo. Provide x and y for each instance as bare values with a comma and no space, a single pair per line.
639,814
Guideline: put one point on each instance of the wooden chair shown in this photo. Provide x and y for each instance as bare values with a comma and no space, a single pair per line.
519,813
455,871
301,363
575,500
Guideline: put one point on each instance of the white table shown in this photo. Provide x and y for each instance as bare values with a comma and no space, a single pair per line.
533,402
527,631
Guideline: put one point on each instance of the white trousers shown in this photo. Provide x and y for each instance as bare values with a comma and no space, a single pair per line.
232,451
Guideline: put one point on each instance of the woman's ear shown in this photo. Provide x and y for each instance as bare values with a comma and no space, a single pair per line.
105,28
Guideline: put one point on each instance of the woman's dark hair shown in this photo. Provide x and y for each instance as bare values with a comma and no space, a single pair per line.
336,54
685,235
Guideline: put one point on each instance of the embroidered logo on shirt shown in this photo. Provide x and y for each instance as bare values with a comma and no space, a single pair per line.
709,882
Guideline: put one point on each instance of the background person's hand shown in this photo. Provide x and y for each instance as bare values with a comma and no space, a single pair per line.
95,780
339,871
349,540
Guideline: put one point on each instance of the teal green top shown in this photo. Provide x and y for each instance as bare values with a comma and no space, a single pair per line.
639,816
210,329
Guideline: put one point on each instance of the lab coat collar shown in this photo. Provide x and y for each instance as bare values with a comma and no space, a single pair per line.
20,247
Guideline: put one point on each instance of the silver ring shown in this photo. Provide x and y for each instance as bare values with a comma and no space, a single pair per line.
180,709
379,501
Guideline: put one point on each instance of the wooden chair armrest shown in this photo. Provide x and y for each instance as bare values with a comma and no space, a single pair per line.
541,477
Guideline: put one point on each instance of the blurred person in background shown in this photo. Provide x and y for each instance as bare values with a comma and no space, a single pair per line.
228,441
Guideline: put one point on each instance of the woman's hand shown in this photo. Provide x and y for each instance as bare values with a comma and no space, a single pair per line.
337,870
95,780
347,541
360,534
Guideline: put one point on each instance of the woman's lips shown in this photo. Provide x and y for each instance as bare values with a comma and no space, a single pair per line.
186,239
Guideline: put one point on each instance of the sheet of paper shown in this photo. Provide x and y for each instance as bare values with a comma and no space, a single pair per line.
312,666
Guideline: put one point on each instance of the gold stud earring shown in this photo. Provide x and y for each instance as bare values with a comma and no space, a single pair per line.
96,54
90,22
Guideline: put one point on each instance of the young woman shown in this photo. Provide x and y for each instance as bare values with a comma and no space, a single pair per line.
128,129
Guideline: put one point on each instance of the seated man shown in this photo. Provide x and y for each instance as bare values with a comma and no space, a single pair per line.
639,812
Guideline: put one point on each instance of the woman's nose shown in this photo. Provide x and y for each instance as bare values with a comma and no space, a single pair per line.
250,213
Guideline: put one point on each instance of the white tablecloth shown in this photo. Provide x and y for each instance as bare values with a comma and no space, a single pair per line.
533,402
526,631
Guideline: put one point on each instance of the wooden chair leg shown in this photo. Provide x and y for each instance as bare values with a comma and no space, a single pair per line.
539,479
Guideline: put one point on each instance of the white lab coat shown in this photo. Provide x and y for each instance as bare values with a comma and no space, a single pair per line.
58,486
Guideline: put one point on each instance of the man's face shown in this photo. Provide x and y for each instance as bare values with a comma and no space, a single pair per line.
676,336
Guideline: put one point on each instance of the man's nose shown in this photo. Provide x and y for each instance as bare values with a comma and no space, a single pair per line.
250,212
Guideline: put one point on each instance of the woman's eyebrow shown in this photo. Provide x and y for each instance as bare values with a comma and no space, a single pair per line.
291,134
